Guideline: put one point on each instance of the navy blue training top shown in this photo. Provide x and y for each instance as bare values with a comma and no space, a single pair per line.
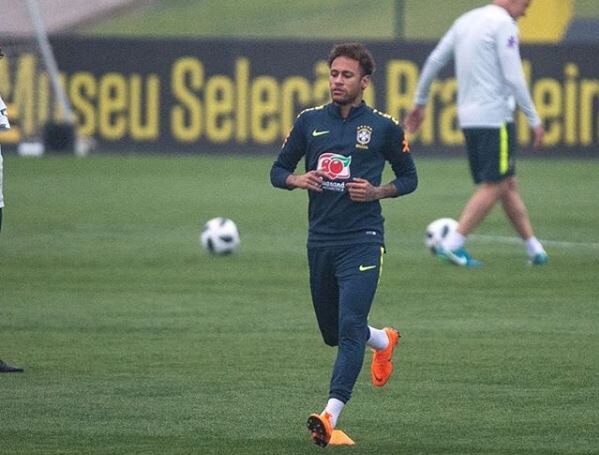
357,146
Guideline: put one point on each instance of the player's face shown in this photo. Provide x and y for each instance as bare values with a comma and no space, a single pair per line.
346,82
519,7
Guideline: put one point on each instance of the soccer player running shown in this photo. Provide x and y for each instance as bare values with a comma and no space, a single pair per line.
4,125
484,45
345,145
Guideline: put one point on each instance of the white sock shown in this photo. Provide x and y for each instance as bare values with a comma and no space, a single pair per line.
533,246
453,241
378,339
334,408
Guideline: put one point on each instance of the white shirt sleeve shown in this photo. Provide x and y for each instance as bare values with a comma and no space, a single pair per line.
440,56
511,66
4,125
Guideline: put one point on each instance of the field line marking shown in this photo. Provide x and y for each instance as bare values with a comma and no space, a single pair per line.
518,240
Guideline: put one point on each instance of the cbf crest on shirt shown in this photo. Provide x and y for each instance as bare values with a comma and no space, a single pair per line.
363,135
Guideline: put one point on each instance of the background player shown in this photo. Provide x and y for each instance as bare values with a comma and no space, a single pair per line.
4,367
484,45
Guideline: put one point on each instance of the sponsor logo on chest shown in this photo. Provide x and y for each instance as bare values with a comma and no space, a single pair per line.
336,167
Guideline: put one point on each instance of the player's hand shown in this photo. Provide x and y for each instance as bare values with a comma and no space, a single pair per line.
360,190
414,119
539,134
311,180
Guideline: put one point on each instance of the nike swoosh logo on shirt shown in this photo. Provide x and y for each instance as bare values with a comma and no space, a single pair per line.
363,268
316,133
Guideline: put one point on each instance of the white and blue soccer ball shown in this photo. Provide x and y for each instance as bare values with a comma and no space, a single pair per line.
220,236
437,231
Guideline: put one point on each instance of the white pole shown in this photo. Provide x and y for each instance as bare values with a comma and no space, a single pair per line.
48,55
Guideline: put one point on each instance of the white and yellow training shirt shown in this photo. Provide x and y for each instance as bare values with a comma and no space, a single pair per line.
484,45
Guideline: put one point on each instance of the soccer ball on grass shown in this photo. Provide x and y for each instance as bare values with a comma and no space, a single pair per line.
437,231
220,236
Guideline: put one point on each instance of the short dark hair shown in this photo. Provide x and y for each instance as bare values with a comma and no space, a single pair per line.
355,51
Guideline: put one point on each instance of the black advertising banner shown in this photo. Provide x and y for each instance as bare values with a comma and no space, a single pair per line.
214,96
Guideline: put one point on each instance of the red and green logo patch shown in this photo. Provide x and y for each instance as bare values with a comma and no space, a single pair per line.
335,166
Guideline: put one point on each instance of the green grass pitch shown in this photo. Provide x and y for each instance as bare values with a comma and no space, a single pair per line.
134,340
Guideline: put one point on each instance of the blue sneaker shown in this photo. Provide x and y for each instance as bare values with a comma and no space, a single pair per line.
539,259
8,368
459,257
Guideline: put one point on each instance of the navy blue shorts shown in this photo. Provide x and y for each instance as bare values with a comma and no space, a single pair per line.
491,152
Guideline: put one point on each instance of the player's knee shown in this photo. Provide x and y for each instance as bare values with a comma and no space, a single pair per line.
330,339
352,329
509,189
511,184
330,335
496,189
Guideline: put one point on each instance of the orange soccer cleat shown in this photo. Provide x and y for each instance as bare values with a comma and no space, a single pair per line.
382,361
339,438
320,428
